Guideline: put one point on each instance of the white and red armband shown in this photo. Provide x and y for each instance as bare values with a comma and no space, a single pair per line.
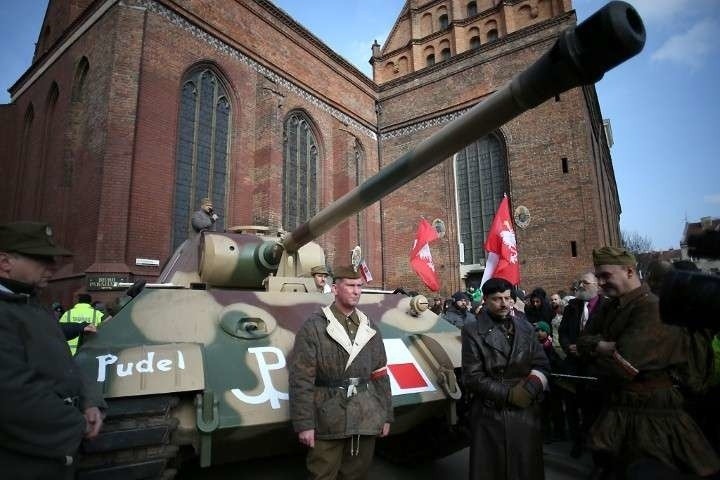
379,373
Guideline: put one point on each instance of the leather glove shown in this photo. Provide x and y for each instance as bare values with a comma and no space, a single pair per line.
525,392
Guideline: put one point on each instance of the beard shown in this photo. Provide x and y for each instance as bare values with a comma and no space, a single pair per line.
584,295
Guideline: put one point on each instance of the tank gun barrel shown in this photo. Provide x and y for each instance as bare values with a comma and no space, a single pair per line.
580,56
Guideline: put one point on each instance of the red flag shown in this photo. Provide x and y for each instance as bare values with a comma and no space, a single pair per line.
502,261
420,257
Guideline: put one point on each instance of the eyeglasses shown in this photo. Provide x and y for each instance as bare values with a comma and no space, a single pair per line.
585,282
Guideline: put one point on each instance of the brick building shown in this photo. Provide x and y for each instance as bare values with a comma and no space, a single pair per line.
132,111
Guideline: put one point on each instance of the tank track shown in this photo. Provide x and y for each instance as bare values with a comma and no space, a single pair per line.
134,443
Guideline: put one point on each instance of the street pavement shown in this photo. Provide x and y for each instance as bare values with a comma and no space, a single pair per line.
558,466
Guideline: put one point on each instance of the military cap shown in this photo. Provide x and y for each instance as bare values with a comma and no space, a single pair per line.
30,238
319,270
345,271
613,256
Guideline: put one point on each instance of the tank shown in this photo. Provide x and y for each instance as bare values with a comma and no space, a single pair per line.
196,365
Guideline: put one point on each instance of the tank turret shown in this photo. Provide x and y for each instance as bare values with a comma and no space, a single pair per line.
199,369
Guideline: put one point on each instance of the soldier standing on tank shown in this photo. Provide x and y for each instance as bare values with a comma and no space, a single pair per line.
205,217
320,275
339,389
45,406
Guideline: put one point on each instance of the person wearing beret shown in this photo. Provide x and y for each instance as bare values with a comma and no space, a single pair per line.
506,371
340,398
635,354
46,407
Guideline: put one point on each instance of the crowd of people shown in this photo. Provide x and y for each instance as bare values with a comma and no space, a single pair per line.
612,377
597,367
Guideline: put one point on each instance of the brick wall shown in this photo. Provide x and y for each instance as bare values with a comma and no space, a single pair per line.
107,151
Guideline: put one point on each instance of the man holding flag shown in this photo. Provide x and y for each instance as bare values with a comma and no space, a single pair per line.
502,259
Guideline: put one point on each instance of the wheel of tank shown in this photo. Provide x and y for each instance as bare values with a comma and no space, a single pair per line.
134,442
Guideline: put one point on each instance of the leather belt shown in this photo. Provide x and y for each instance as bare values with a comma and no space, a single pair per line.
649,385
341,383
352,385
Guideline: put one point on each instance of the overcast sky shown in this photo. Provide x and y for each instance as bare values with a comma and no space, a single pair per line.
664,105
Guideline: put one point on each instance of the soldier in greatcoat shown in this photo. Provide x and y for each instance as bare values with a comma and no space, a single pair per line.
339,389
635,354
46,408
505,370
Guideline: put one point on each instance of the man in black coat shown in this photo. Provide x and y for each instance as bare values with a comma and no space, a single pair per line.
506,371
46,408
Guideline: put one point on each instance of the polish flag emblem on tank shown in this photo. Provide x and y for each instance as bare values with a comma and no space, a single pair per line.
405,373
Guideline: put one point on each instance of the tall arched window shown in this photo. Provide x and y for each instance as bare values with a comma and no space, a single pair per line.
481,178
491,30
299,171
81,72
429,56
23,158
47,131
359,157
471,9
474,36
444,22
444,50
202,152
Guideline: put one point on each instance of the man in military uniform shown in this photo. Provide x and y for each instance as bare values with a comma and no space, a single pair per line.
506,370
205,217
320,275
339,389
635,353
45,407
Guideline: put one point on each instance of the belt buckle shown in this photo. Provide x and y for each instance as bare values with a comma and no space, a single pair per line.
351,390
353,383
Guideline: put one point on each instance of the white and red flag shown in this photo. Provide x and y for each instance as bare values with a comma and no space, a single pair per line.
365,272
406,375
502,259
420,258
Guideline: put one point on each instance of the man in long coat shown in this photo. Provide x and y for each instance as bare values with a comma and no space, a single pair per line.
506,371
46,408
339,389
635,353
